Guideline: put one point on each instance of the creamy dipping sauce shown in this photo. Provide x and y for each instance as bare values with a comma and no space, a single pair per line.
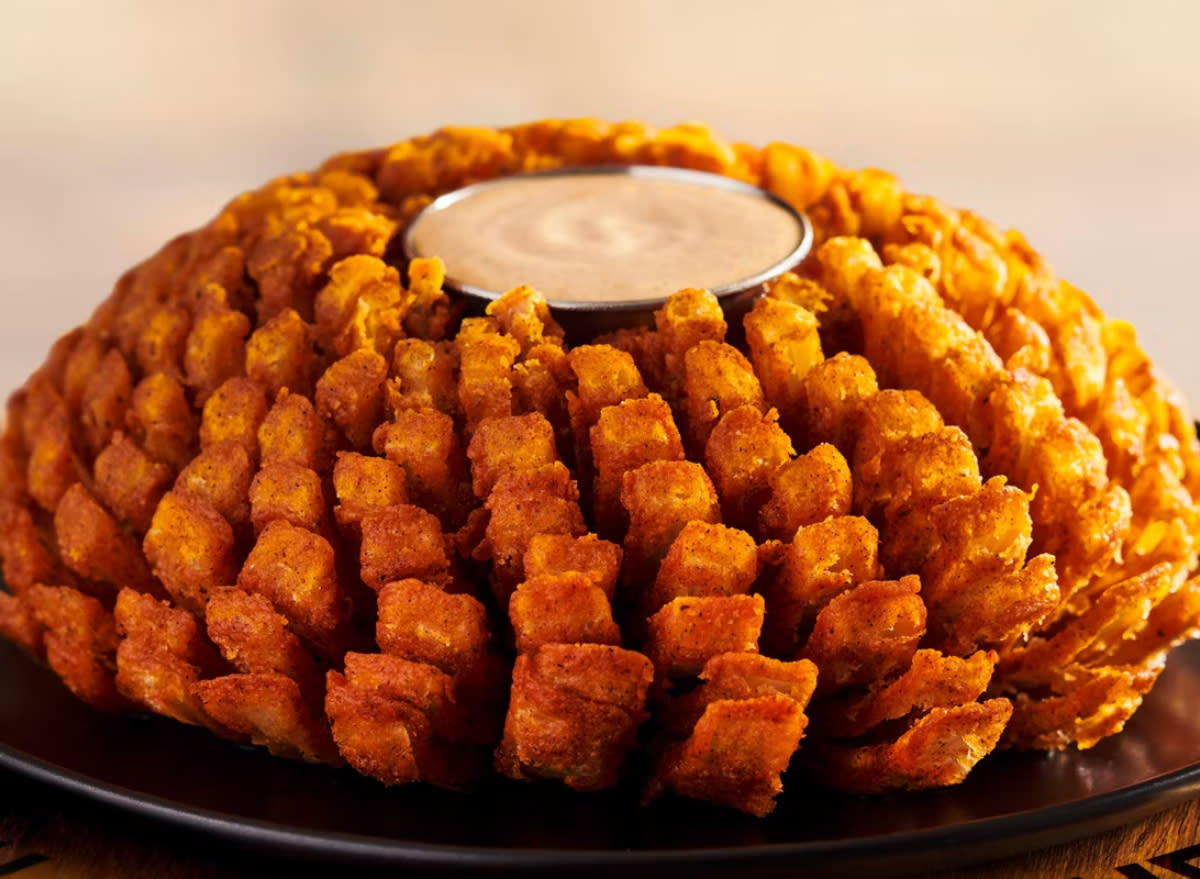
605,237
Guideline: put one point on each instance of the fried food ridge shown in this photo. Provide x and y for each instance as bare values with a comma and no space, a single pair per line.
279,487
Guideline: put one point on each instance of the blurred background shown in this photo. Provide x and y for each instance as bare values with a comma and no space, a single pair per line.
127,121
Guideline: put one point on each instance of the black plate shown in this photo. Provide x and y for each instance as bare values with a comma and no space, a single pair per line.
1011,803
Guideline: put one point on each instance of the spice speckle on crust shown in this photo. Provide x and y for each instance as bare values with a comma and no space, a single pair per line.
280,487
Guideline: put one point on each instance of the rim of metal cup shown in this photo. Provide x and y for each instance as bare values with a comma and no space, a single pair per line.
656,172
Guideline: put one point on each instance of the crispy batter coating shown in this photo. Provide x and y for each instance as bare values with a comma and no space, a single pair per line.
604,376
522,505
363,485
687,318
598,560
835,392
390,735
161,656
1081,710
421,622
379,737
509,444
717,379
938,750
486,358
93,545
52,466
291,493
279,354
822,561
256,639
216,345
161,420
233,413
457,709
977,585
423,376
736,753
268,710
745,450
287,266
662,497
704,560
867,633
784,346
362,306
932,681
686,632
574,714
190,546
739,676
19,624
1116,615
28,552
293,433
402,541
295,570
523,314
561,609
350,394
106,397
431,311
82,364
130,482
160,348
356,229
80,638
806,490
276,339
220,477
626,436
425,445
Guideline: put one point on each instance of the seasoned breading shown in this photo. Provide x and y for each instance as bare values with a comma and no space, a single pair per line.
162,654
998,547
561,609
423,623
626,436
717,379
867,633
745,450
93,545
80,638
190,546
268,710
350,394
598,560
363,485
661,497
295,570
687,632
129,482
822,561
574,714
220,476
402,541
806,490
736,753
279,355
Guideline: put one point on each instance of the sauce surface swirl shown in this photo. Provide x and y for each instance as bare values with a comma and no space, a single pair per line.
605,237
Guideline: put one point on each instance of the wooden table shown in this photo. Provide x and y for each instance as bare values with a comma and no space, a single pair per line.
45,834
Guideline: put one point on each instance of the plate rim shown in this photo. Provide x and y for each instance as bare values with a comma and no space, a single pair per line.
974,840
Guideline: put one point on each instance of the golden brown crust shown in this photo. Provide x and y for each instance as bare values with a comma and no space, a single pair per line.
1025,461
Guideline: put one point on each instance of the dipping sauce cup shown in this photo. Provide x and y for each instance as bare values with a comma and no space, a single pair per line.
607,244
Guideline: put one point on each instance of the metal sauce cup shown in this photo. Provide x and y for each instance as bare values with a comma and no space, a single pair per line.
584,319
